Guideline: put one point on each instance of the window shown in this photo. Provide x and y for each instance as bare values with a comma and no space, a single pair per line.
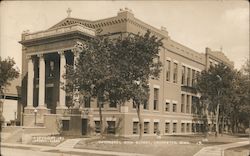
188,76
175,73
112,104
97,127
87,102
145,105
188,127
188,104
193,78
111,127
167,107
182,103
195,102
156,60
182,127
193,128
146,127
156,98
100,100
51,68
156,127
174,107
167,127
183,75
168,69
174,127
135,127
65,125
197,127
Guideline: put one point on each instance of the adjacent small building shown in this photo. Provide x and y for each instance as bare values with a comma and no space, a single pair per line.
10,106
170,108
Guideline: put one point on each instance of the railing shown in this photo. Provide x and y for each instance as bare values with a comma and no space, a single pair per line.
61,30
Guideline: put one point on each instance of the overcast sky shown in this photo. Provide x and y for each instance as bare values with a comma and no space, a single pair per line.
212,24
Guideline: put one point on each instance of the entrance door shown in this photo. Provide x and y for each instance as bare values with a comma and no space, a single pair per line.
84,126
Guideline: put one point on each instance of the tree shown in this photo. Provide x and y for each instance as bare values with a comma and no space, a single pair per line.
215,85
93,72
8,73
110,69
137,61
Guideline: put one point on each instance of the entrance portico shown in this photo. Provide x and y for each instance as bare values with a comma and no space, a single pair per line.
47,54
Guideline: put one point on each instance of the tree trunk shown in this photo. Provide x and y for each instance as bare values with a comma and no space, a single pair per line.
138,110
223,124
100,114
217,120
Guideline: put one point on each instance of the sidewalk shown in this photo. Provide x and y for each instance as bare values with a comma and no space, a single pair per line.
63,149
218,150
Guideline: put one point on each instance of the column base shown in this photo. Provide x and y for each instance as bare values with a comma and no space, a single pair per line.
29,110
61,110
42,110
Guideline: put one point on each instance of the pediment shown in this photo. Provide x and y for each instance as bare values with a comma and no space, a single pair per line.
72,21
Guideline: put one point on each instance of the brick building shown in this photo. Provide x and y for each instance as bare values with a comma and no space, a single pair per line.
170,108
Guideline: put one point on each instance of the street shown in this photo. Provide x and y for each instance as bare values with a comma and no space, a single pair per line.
6,151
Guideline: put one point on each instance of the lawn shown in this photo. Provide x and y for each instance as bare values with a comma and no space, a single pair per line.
238,151
166,146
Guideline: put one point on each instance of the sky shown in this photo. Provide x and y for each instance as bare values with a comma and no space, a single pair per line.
216,24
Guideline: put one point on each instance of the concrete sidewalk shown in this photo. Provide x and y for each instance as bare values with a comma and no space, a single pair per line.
63,149
218,150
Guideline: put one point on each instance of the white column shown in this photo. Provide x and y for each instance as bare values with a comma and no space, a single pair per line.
30,84
41,97
62,94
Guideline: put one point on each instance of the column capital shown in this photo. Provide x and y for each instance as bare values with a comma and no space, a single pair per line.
29,57
61,52
40,55
75,52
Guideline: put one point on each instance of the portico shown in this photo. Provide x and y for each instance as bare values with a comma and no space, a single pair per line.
42,76
46,55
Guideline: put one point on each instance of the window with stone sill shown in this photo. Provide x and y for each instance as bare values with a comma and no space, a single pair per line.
87,101
146,105
174,107
182,127
183,75
156,127
168,69
188,104
113,104
135,127
188,76
193,78
156,98
65,125
97,127
182,102
174,127
188,127
175,73
167,127
100,100
146,127
111,127
167,107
